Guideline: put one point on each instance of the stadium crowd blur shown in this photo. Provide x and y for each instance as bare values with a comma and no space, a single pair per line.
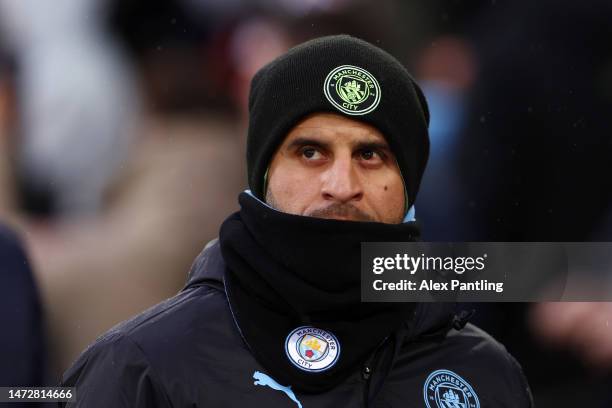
122,128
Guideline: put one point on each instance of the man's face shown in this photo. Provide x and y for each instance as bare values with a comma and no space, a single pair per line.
330,166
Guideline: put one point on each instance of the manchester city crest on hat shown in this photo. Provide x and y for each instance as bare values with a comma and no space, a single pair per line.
311,349
446,389
352,90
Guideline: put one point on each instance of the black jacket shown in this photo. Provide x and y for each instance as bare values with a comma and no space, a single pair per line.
188,352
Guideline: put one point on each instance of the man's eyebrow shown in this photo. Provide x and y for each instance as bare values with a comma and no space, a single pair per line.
359,145
306,141
373,145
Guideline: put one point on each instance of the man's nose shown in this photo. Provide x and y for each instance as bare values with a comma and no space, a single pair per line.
341,181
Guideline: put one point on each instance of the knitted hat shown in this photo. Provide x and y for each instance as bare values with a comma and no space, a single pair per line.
344,75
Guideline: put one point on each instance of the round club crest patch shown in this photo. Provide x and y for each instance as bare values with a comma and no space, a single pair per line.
352,90
311,349
444,389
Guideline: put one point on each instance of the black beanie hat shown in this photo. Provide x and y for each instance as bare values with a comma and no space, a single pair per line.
344,75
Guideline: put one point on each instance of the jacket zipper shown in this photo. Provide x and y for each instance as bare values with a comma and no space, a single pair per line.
367,371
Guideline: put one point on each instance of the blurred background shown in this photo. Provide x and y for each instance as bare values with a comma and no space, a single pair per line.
122,132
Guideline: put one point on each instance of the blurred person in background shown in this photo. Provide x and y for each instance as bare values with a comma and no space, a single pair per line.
448,71
114,195
77,102
22,343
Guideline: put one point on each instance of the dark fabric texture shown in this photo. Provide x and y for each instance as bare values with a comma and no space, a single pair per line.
291,87
285,271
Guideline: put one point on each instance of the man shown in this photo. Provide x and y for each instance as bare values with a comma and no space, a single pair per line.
271,315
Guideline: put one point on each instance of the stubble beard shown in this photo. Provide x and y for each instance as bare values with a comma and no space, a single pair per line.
333,211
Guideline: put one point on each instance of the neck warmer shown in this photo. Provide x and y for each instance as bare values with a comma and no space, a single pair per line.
288,271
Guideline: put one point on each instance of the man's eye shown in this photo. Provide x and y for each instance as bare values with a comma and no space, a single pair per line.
310,153
368,154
